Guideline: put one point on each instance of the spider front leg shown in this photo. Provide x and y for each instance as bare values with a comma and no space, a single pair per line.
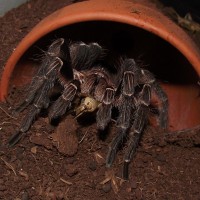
63,103
105,109
105,92
51,63
40,86
125,106
123,124
41,100
140,119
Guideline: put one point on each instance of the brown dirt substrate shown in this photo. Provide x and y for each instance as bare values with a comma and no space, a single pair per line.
68,161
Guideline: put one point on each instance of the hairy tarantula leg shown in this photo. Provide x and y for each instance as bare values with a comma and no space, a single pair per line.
130,77
103,116
84,56
105,92
37,84
115,145
148,78
50,62
104,112
163,110
41,101
125,107
140,119
100,90
123,123
14,139
64,101
55,50
135,137
88,85
26,123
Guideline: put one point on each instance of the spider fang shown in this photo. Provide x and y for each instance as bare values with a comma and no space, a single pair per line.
88,104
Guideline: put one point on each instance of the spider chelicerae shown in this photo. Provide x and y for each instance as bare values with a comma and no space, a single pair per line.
80,70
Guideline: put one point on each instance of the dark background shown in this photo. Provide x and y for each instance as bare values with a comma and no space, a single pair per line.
185,6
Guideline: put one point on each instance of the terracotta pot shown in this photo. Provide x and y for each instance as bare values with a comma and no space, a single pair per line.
140,30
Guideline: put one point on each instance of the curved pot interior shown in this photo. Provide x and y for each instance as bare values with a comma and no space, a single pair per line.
169,66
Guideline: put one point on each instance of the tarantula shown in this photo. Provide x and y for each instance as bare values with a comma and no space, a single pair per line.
80,70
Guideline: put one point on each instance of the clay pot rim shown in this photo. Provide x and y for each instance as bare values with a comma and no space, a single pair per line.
119,11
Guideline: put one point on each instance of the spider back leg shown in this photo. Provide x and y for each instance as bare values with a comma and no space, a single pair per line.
148,78
163,107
